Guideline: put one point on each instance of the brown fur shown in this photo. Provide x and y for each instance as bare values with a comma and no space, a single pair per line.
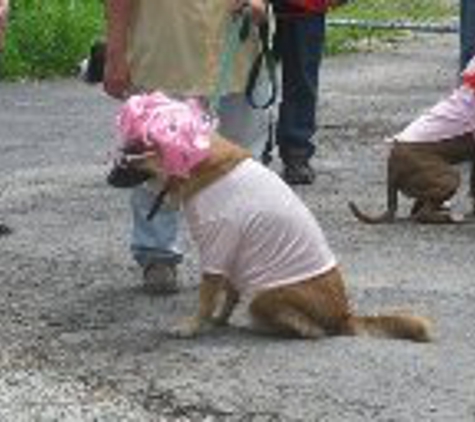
424,171
224,157
311,308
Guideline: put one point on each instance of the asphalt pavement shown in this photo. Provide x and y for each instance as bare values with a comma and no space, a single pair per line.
79,341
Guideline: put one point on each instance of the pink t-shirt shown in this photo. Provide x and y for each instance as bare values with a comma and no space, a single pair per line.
252,228
450,117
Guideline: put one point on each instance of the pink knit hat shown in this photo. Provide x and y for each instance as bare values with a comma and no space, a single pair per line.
178,130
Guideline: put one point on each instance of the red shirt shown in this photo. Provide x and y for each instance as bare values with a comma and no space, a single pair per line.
301,6
468,74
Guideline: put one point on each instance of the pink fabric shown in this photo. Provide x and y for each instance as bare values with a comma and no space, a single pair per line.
178,130
252,228
450,117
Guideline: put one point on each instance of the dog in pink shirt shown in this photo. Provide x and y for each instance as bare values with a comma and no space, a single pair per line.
254,235
422,158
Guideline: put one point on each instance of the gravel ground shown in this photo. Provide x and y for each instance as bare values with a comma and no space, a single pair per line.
80,342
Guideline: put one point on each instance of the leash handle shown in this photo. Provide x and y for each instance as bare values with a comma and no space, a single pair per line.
266,57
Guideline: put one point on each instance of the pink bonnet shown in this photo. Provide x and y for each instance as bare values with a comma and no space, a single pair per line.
179,130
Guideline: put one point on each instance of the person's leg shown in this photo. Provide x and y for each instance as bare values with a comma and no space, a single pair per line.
155,243
300,44
467,31
240,123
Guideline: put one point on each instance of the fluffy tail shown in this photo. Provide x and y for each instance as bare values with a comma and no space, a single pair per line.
386,217
408,327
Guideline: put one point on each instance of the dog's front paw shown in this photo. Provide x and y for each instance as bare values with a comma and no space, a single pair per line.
457,218
189,327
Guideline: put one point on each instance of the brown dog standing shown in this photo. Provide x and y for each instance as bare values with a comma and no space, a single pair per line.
422,158
254,236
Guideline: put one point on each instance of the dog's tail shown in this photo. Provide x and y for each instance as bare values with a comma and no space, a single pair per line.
398,326
386,217
392,203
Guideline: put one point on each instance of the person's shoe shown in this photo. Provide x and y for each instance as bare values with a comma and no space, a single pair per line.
296,167
5,230
160,278
298,174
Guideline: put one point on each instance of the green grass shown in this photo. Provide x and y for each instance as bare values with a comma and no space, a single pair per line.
349,39
420,10
47,38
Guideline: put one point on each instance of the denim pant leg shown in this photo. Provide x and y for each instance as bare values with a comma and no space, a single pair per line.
155,240
300,43
160,240
467,31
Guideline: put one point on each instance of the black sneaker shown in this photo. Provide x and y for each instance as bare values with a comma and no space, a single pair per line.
296,166
298,174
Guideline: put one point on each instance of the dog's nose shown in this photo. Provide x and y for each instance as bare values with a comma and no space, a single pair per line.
123,176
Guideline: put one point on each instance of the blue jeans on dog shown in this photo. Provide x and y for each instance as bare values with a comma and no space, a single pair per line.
467,31
159,240
299,45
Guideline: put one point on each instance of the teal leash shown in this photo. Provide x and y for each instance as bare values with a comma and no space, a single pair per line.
238,28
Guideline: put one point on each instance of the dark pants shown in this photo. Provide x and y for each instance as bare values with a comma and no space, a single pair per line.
467,31
299,44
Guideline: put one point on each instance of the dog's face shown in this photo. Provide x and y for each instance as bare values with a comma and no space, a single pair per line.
91,69
138,165
135,165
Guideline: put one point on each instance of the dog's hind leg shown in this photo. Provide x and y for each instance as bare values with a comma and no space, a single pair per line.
273,314
416,207
431,194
